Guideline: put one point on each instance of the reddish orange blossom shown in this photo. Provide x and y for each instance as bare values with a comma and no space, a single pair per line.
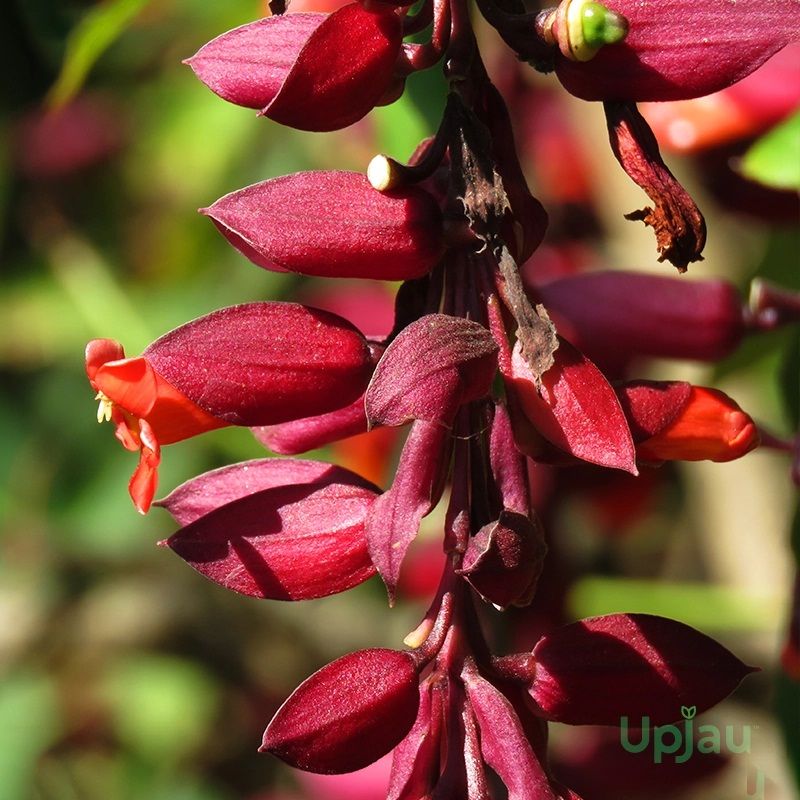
710,427
146,410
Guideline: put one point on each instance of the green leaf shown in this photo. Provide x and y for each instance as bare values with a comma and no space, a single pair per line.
90,38
774,159
705,607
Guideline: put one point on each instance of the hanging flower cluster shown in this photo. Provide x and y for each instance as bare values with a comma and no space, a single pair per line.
489,373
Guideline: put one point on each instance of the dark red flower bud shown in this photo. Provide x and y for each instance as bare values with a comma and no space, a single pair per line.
333,224
673,421
263,363
314,72
201,495
575,408
288,542
433,366
348,714
608,314
504,559
504,744
394,518
682,49
596,671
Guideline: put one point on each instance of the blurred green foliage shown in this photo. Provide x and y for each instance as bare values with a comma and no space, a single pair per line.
774,159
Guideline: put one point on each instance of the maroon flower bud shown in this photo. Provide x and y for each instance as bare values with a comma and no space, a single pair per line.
504,559
263,363
348,714
315,72
683,49
433,366
596,671
394,518
606,314
292,541
332,224
575,408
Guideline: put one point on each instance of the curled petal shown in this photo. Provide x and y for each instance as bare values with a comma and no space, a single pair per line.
676,220
144,481
99,352
348,714
596,671
332,224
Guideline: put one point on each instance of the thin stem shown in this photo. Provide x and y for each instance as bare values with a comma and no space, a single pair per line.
415,57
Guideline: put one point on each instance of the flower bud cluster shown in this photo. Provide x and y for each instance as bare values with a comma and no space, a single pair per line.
492,374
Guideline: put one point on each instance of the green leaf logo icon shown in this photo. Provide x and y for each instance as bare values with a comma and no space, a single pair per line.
688,711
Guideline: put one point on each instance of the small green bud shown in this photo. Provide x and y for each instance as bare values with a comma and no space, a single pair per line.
602,26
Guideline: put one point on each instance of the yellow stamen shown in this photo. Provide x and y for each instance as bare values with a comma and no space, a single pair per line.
104,409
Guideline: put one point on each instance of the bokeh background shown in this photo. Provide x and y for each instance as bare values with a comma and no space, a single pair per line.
126,676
